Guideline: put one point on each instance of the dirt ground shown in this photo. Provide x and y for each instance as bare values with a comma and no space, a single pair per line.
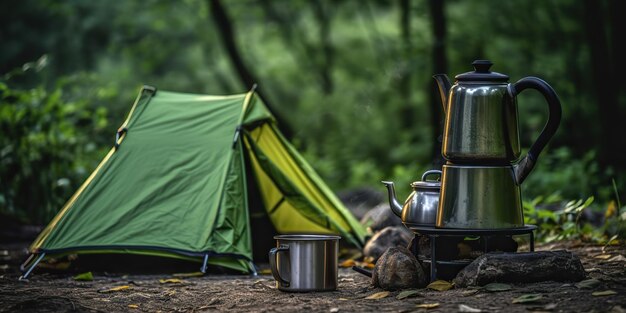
45,292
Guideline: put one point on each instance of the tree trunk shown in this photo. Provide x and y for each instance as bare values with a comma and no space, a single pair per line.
440,65
323,20
604,79
407,114
248,79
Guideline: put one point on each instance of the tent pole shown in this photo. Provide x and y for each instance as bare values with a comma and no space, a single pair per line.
253,268
204,263
23,265
32,267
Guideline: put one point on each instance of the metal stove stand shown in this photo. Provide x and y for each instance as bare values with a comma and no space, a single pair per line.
433,233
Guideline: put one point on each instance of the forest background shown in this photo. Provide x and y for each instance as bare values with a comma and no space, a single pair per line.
349,81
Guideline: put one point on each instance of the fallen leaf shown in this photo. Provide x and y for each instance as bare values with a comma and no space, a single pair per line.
617,258
114,289
192,274
334,310
602,256
470,292
378,295
266,271
369,265
170,281
603,293
588,284
406,294
342,299
170,293
368,259
88,276
428,305
469,309
440,285
496,287
133,306
347,263
528,298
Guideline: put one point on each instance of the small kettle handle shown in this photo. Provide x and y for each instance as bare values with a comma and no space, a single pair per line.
431,172
554,118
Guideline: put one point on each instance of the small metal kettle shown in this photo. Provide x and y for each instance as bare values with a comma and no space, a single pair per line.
420,208
481,124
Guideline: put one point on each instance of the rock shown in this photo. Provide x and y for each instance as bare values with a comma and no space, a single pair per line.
397,269
380,217
527,267
394,236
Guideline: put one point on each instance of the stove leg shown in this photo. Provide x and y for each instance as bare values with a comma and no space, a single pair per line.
532,241
433,259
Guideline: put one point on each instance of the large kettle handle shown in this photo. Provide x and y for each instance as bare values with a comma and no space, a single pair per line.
554,118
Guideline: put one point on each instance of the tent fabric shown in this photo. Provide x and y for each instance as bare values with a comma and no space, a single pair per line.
175,185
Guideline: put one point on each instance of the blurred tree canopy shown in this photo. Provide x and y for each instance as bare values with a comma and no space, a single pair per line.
350,81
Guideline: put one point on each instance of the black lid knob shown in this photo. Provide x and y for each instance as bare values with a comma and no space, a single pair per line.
482,73
482,66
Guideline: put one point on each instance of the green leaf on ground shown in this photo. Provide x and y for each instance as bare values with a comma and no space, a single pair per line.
527,298
588,284
496,287
603,293
88,276
406,294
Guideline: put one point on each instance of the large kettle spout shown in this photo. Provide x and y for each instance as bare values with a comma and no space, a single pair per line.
393,201
444,84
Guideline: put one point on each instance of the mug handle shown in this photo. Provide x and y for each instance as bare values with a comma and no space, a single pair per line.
525,165
273,255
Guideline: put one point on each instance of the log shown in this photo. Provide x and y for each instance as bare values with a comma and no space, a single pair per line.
527,267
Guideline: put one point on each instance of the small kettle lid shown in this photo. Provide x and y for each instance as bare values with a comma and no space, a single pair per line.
428,184
481,73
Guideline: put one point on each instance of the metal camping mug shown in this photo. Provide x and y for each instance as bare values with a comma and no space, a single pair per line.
302,263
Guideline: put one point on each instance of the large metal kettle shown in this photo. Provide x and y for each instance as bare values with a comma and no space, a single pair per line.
481,124
480,183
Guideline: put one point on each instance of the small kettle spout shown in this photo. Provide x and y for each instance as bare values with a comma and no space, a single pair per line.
393,201
444,84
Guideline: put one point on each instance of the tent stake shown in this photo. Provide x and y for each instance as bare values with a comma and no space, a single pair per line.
32,267
204,263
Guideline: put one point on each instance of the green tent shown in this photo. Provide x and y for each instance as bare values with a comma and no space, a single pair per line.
175,185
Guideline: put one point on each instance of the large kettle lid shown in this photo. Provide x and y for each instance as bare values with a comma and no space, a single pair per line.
481,73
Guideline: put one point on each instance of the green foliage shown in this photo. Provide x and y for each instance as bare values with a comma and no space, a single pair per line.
47,148
576,219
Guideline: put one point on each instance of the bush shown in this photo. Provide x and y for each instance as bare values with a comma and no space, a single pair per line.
47,148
